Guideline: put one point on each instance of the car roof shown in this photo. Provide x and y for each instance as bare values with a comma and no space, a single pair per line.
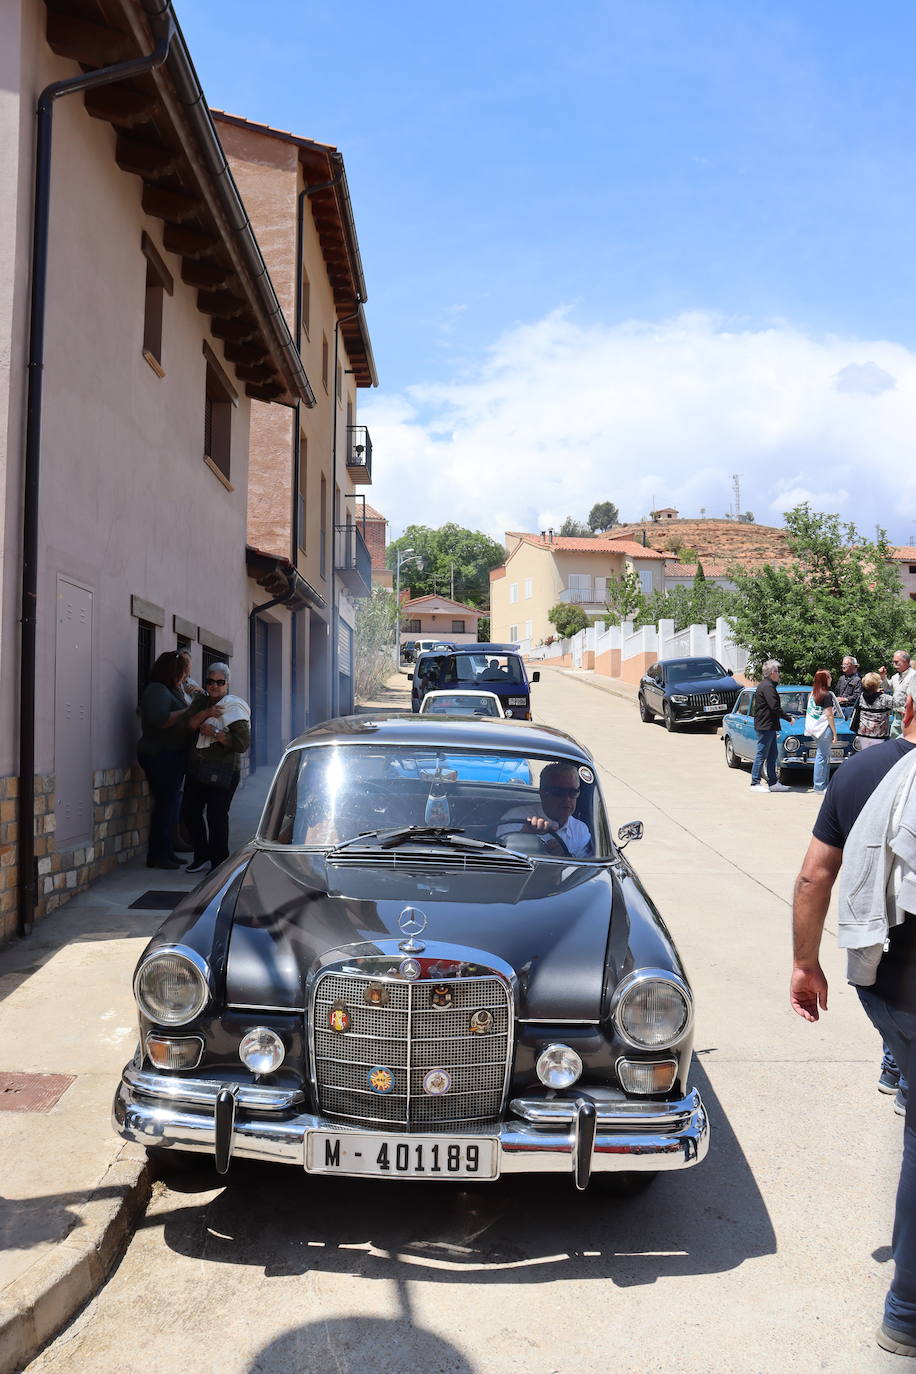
446,732
688,658
461,692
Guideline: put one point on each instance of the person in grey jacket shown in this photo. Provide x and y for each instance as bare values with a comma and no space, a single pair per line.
849,685
870,809
768,713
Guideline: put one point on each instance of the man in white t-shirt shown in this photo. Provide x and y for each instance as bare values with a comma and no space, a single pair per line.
901,684
559,793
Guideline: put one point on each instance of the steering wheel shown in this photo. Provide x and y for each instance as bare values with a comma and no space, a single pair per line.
536,842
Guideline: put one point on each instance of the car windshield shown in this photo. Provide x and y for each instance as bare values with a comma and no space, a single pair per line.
795,702
447,670
693,670
541,806
459,704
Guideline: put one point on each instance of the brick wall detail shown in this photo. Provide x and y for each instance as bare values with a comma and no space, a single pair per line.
120,805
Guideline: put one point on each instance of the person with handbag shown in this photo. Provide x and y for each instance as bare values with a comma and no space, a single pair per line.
820,725
214,769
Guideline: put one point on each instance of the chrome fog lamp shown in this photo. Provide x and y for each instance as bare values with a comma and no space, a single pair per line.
262,1050
793,744
172,986
558,1066
652,1008
169,1053
646,1076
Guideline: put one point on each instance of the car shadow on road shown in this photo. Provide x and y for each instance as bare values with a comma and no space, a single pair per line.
533,1229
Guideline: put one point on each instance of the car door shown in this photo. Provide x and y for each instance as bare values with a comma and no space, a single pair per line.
744,736
651,687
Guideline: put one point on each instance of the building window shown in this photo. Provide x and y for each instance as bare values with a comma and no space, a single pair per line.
146,653
208,656
158,283
513,592
218,402
529,588
301,478
339,383
645,581
600,588
913,567
306,303
513,633
323,534
324,361
183,643
414,626
457,627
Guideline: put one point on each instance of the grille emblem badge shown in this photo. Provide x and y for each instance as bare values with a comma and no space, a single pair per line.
380,1080
480,1022
437,1082
409,968
441,996
339,1018
376,995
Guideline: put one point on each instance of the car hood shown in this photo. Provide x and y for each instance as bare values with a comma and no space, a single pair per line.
797,727
550,924
717,684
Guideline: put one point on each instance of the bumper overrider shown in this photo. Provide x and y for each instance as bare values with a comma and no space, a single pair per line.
577,1134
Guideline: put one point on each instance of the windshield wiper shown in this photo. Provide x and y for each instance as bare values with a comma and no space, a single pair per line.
435,834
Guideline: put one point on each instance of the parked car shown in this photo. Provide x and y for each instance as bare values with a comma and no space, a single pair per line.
461,703
409,651
497,668
686,691
363,991
796,749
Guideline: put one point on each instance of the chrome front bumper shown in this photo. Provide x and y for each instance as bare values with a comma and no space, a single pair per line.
578,1137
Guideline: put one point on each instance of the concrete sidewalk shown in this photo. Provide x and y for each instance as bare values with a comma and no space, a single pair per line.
614,686
70,1189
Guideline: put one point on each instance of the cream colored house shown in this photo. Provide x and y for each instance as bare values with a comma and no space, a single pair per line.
542,570
306,517
136,472
426,617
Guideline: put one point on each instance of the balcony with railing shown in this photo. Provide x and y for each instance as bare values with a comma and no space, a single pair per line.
590,593
352,560
359,454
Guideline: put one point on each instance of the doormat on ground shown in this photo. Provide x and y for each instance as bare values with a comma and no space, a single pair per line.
158,900
32,1092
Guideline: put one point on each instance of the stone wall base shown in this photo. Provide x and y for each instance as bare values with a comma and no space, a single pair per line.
120,816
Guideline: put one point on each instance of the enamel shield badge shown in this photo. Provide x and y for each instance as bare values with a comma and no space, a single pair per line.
338,1018
441,996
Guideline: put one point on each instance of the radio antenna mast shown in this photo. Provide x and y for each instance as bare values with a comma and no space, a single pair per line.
736,484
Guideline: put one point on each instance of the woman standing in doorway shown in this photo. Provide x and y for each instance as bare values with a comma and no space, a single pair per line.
168,723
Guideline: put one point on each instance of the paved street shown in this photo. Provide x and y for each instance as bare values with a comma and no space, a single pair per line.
772,1255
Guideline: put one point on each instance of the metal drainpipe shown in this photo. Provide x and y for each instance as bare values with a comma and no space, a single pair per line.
103,76
332,656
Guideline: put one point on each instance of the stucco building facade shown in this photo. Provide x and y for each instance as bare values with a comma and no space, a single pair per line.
137,474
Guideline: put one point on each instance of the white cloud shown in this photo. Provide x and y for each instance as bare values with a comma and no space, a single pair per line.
559,415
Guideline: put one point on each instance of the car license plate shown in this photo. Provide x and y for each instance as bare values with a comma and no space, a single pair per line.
400,1156
714,708
516,701
837,756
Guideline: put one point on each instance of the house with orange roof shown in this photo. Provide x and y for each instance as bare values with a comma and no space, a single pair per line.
543,569
439,617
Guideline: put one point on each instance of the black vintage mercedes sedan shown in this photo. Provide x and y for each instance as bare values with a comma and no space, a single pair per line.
431,962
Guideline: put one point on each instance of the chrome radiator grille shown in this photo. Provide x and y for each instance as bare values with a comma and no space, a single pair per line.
700,700
408,1037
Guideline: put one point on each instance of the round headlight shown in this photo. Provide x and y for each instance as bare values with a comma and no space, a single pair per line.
793,744
654,1011
171,988
261,1050
559,1066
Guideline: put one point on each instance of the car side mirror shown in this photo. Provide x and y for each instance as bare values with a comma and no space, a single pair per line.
633,830
535,676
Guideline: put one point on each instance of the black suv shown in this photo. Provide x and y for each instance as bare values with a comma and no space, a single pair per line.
685,691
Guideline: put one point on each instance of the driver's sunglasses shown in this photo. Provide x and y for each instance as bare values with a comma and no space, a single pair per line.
562,791
216,682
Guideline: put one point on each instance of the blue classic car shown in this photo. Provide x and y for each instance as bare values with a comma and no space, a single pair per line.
796,749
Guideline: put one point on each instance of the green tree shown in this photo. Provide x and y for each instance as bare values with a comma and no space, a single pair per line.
603,516
623,598
699,604
842,595
447,553
575,529
373,642
568,619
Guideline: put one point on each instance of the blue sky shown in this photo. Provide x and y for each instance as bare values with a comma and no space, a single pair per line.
532,177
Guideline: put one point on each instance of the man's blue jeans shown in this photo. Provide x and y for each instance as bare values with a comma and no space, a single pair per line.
898,1030
767,749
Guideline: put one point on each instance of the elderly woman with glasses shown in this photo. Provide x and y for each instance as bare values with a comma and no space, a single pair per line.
214,769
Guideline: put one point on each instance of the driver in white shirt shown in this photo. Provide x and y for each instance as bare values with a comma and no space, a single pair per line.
559,793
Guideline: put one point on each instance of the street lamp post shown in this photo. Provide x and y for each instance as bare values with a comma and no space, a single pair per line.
403,556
